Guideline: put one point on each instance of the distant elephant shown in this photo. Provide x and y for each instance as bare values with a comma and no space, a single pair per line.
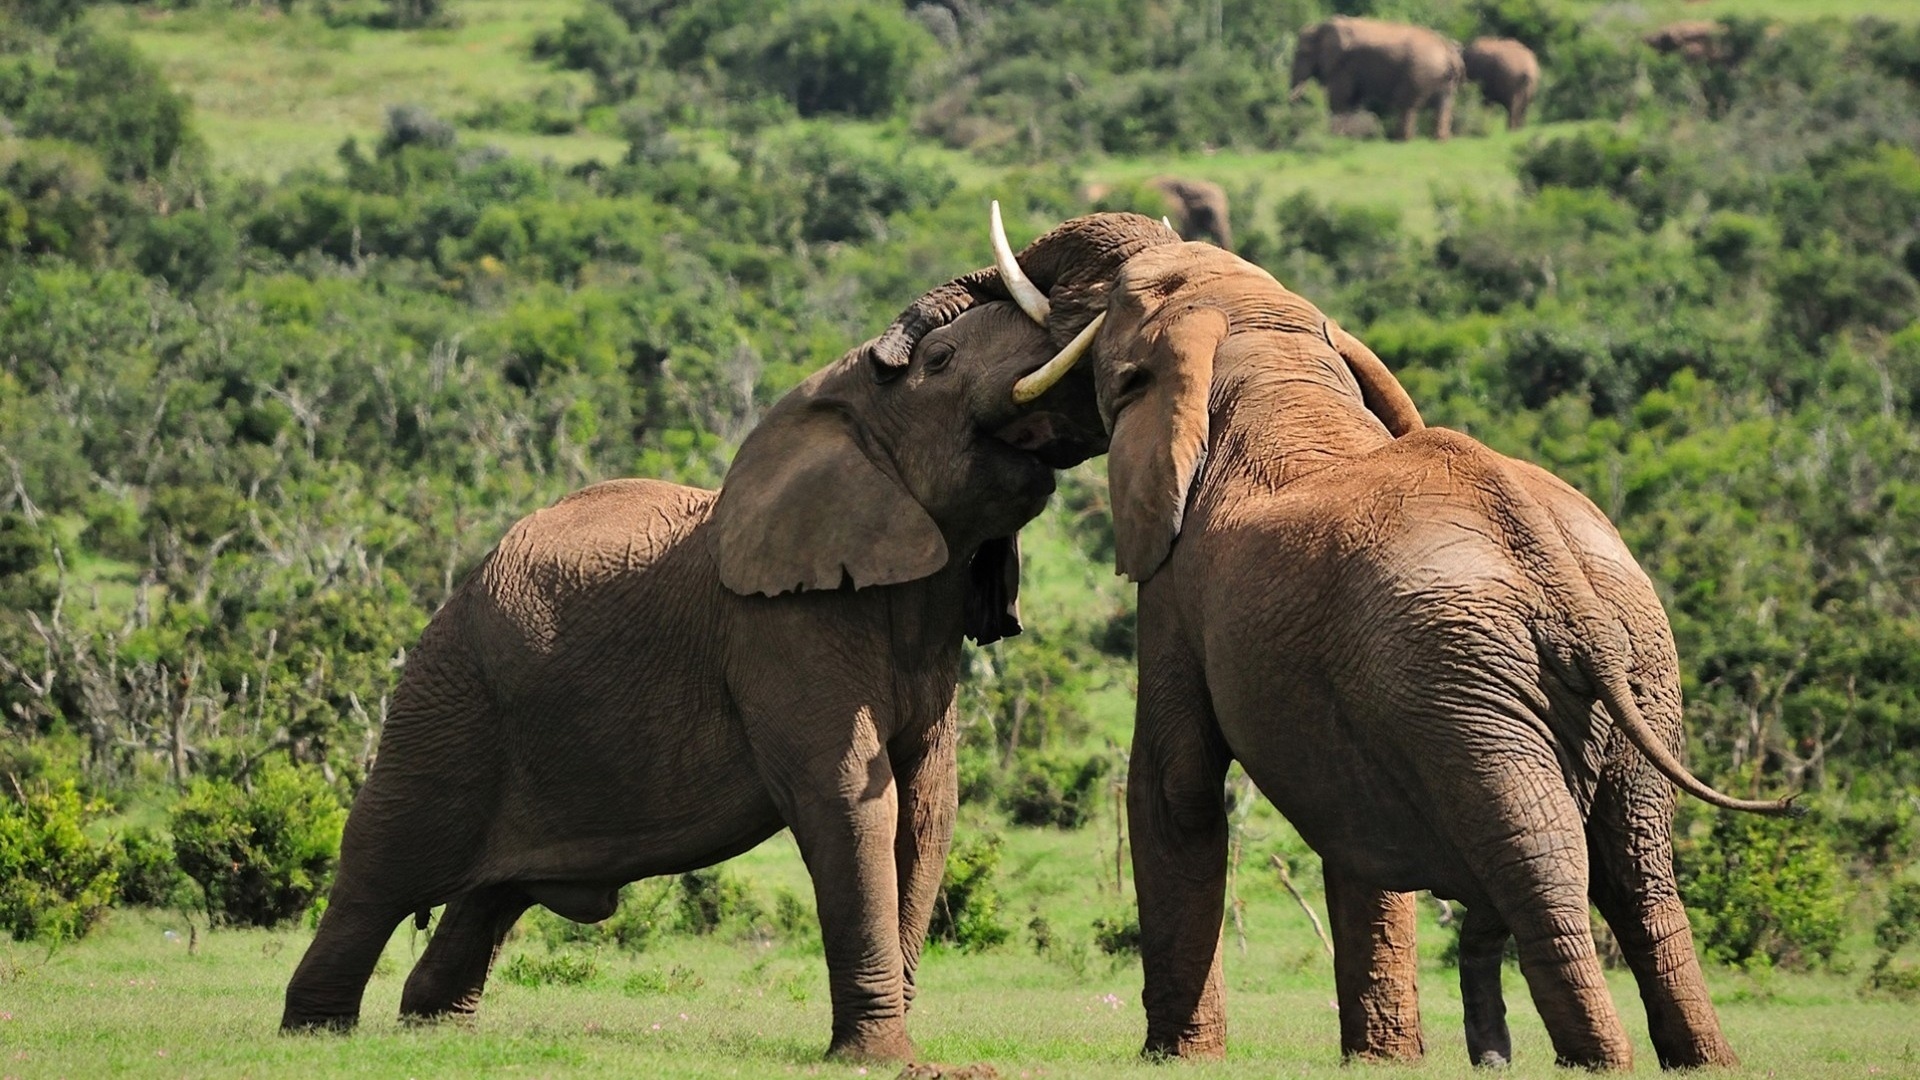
646,678
1698,41
1507,73
1197,208
1392,69
1428,655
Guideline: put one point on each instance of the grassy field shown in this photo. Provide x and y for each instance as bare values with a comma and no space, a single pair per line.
133,1000
272,92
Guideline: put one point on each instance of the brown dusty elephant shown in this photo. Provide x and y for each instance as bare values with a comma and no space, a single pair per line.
1391,69
1507,73
1197,208
646,678
1415,646
1698,41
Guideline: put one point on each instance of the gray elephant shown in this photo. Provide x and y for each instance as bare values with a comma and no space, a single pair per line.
1197,208
1507,73
1438,662
1392,69
646,678
1697,41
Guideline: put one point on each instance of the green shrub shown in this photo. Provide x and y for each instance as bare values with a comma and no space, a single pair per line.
55,882
1762,890
558,969
715,897
967,912
831,56
1054,789
149,874
260,855
1118,935
678,980
1898,927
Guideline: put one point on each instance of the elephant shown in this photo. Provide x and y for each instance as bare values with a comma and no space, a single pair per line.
1698,41
1196,208
1392,69
1439,663
1507,73
646,678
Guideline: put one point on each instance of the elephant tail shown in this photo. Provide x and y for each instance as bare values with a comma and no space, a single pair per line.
1582,633
1609,677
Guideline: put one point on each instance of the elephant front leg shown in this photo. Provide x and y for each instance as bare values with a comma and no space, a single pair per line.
1177,814
843,807
1374,970
928,792
452,973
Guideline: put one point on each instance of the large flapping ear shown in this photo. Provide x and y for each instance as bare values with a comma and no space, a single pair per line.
1160,436
1384,395
993,591
805,507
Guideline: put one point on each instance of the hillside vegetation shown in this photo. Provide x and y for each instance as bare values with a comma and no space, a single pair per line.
302,304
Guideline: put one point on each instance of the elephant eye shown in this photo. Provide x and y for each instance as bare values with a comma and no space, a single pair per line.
1132,385
938,356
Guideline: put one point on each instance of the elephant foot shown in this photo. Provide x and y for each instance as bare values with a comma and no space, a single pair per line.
1388,1053
451,1014
307,1024
876,1043
1202,1045
1491,1059
1711,1053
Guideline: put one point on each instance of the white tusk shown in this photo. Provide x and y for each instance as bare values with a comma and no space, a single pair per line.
1041,380
1168,224
1025,293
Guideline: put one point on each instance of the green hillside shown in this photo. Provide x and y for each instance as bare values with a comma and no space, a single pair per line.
303,303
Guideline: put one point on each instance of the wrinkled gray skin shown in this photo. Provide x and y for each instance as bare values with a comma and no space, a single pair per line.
1391,69
1507,73
610,696
1429,656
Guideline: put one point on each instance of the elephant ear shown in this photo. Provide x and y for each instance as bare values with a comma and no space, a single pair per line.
1160,436
993,591
1384,395
804,506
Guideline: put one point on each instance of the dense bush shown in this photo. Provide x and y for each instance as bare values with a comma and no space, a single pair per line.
260,853
149,873
967,912
1055,789
1762,889
55,882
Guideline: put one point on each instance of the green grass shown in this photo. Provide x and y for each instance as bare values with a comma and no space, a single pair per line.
1659,12
132,1000
273,92
1401,175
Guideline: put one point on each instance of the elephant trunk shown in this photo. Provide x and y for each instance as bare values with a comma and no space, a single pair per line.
889,354
1074,264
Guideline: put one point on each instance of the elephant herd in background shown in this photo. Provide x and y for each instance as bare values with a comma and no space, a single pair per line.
1440,663
1397,70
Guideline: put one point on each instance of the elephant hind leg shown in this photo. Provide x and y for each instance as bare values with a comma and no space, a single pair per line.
326,988
1526,841
1374,970
452,973
1634,888
1483,945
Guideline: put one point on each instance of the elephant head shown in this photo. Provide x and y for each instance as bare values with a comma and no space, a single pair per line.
911,451
1167,309
1312,56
